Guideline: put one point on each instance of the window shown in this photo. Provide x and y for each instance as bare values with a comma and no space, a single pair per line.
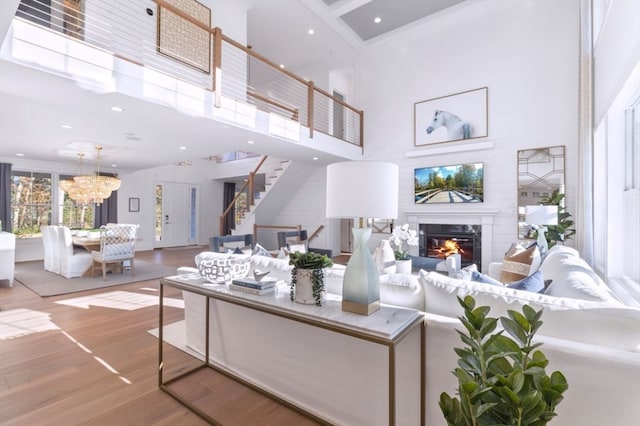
31,200
616,192
632,145
69,213
37,201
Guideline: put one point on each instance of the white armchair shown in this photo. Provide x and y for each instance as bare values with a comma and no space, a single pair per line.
72,264
117,244
7,256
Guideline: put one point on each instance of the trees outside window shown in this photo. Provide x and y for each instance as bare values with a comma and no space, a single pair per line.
37,201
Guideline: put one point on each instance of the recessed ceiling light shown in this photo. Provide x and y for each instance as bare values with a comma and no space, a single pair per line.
315,158
114,165
184,148
281,65
116,109
377,20
310,31
19,154
250,142
66,126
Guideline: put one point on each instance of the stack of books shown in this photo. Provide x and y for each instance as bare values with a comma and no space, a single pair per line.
252,286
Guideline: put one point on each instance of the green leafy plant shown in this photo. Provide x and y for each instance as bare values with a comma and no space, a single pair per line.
314,261
501,380
563,230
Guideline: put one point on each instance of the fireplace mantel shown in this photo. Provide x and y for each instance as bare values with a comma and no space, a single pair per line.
462,216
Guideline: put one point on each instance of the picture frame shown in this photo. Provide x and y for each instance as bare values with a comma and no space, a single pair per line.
182,40
450,118
134,204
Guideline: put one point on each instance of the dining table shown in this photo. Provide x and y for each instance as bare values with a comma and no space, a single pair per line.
89,244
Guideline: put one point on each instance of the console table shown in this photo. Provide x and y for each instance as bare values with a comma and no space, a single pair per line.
383,353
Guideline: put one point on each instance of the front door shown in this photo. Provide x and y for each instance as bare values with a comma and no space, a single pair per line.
176,222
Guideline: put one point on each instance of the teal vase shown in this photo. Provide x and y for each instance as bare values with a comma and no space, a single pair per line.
361,284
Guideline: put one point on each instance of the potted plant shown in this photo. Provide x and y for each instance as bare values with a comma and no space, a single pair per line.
307,276
399,237
563,230
502,380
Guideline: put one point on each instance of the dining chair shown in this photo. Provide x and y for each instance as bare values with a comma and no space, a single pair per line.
48,246
117,245
73,263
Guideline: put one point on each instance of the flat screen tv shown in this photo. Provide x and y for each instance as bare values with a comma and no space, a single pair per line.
459,183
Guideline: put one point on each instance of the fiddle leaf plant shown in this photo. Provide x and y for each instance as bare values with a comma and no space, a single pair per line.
314,261
564,229
501,380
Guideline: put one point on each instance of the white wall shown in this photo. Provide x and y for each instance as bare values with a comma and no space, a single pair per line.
526,52
528,59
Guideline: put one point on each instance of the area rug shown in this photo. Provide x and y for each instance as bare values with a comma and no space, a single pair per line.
45,283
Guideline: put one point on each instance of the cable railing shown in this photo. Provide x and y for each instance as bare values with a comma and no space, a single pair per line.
181,44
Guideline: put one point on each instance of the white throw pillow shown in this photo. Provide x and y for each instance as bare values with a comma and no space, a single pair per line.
572,277
402,290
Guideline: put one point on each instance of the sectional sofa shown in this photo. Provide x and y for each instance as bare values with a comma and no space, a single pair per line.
589,335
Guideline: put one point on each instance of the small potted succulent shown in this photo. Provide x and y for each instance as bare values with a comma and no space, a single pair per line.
307,277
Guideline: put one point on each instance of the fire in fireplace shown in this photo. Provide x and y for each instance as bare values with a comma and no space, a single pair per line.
440,241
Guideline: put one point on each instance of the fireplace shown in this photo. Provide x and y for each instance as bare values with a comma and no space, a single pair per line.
467,215
440,240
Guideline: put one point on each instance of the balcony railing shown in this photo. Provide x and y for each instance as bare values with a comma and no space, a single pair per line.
181,44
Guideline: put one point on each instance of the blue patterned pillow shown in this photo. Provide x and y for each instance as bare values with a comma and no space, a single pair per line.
258,250
483,278
534,283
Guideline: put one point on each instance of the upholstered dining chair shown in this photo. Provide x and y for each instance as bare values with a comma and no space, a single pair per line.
117,244
50,247
73,262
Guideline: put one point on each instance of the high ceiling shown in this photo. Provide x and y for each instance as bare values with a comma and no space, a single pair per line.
34,104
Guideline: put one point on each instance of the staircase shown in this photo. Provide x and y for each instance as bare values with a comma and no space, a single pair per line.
281,180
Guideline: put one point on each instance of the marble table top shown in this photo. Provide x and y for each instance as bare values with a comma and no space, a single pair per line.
388,323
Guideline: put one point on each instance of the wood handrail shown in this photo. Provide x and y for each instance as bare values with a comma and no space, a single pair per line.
294,111
250,199
315,233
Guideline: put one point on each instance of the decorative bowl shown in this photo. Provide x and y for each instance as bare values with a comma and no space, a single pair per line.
220,270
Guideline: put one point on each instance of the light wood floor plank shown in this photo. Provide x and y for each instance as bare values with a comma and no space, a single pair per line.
100,366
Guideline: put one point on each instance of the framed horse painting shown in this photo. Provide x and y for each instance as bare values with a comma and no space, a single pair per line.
451,118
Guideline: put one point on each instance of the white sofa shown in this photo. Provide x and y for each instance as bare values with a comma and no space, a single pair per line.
7,256
592,338
594,343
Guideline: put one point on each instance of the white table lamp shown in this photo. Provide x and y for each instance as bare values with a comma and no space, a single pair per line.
538,217
362,189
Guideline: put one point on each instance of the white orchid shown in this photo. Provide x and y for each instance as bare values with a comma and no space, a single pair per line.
403,235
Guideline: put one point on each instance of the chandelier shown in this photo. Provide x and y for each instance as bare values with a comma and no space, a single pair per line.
93,188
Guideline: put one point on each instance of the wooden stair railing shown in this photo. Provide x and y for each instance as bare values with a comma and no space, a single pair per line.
250,196
315,233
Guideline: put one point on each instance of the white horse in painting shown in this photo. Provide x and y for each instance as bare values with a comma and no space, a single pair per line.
457,128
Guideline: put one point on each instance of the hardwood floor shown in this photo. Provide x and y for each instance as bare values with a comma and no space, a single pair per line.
98,365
